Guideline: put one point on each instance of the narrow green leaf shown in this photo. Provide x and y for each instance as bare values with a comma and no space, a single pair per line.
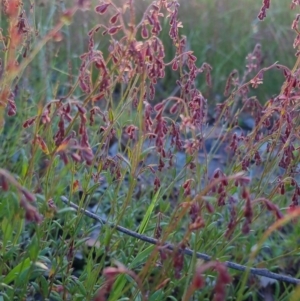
111,115
148,213
16,271
141,257
33,248
158,295
6,229
80,286
118,287
44,286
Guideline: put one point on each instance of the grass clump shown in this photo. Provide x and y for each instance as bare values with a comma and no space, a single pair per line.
184,197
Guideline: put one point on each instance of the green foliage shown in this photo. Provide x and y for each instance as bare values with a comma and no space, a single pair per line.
119,123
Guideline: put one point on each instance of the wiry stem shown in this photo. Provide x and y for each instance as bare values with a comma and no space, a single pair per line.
232,265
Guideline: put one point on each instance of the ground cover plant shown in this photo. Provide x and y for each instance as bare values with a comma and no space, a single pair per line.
124,177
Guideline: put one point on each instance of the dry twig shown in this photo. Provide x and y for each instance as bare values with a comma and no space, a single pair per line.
254,271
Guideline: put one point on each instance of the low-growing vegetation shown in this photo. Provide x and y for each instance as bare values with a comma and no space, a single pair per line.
131,169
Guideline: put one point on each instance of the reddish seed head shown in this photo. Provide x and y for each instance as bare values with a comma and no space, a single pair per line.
76,157
278,213
282,189
224,276
31,215
45,117
198,281
29,122
295,199
30,197
248,213
101,9
114,18
11,111
194,211
270,206
178,262
63,156
246,227
187,187
51,205
113,30
110,272
274,208
221,201
87,155
159,106
174,108
144,32
209,207
175,65
3,183
216,173
224,181
208,78
156,183
81,109
158,231
84,4
164,254
197,224
245,193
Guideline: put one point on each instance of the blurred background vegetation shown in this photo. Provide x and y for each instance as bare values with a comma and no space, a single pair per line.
220,32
